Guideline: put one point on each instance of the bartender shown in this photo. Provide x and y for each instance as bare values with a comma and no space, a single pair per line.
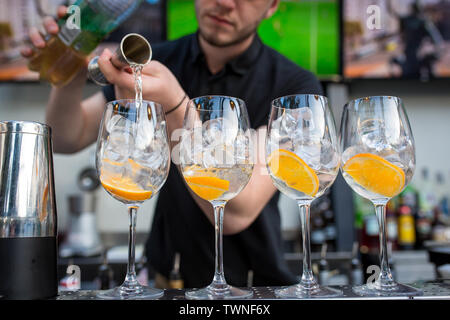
224,57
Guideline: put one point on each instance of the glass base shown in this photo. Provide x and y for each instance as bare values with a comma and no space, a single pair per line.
394,290
133,293
214,293
299,291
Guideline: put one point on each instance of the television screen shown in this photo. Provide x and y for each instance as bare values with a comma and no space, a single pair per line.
396,39
305,31
16,17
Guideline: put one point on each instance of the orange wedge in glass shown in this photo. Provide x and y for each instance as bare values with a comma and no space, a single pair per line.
375,174
126,189
207,187
293,171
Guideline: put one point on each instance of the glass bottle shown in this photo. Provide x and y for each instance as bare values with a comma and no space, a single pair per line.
65,53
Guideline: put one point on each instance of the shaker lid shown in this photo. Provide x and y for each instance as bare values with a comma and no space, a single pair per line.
24,127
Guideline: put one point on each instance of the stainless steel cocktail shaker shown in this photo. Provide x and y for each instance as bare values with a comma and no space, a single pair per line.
28,226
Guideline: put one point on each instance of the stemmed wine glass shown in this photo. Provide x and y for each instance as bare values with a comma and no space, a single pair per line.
132,162
302,157
378,162
216,163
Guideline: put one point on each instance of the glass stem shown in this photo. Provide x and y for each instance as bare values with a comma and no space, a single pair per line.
307,281
385,279
219,277
130,279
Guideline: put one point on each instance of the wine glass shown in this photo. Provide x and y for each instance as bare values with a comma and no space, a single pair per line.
216,163
133,161
378,161
302,156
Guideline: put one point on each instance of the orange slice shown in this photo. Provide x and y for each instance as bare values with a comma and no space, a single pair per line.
134,165
293,171
375,174
208,188
126,190
114,163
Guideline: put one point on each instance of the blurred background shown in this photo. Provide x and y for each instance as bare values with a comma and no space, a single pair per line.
404,52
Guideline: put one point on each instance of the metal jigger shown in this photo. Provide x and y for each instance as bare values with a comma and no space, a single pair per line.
133,49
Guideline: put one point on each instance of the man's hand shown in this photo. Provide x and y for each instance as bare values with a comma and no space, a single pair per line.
158,82
51,27
74,121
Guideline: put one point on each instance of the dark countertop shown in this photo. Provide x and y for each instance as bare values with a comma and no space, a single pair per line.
439,290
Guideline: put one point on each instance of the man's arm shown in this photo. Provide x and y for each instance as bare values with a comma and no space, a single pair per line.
242,210
160,85
75,122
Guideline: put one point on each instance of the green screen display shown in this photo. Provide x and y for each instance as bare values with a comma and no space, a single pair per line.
307,32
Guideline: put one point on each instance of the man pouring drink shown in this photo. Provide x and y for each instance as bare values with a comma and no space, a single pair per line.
224,57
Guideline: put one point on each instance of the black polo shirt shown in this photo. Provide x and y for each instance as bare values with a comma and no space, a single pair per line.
257,76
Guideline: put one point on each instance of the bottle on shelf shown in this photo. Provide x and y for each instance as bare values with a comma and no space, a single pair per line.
370,234
318,236
441,208
65,54
425,212
142,271
366,224
330,223
441,221
324,272
175,279
356,272
391,261
406,228
250,275
105,276
391,223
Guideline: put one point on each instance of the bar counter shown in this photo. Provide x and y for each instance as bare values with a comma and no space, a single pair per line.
439,290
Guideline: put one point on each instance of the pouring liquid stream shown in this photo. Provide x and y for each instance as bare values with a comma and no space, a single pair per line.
137,72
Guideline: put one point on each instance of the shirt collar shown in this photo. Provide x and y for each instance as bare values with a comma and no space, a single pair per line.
240,64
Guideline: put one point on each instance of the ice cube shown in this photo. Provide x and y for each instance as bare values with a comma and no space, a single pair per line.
145,133
191,148
219,130
219,156
288,124
276,124
242,148
212,132
406,152
352,151
157,178
309,152
304,113
304,119
118,145
208,159
329,156
306,127
152,157
114,122
282,132
373,135
161,131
